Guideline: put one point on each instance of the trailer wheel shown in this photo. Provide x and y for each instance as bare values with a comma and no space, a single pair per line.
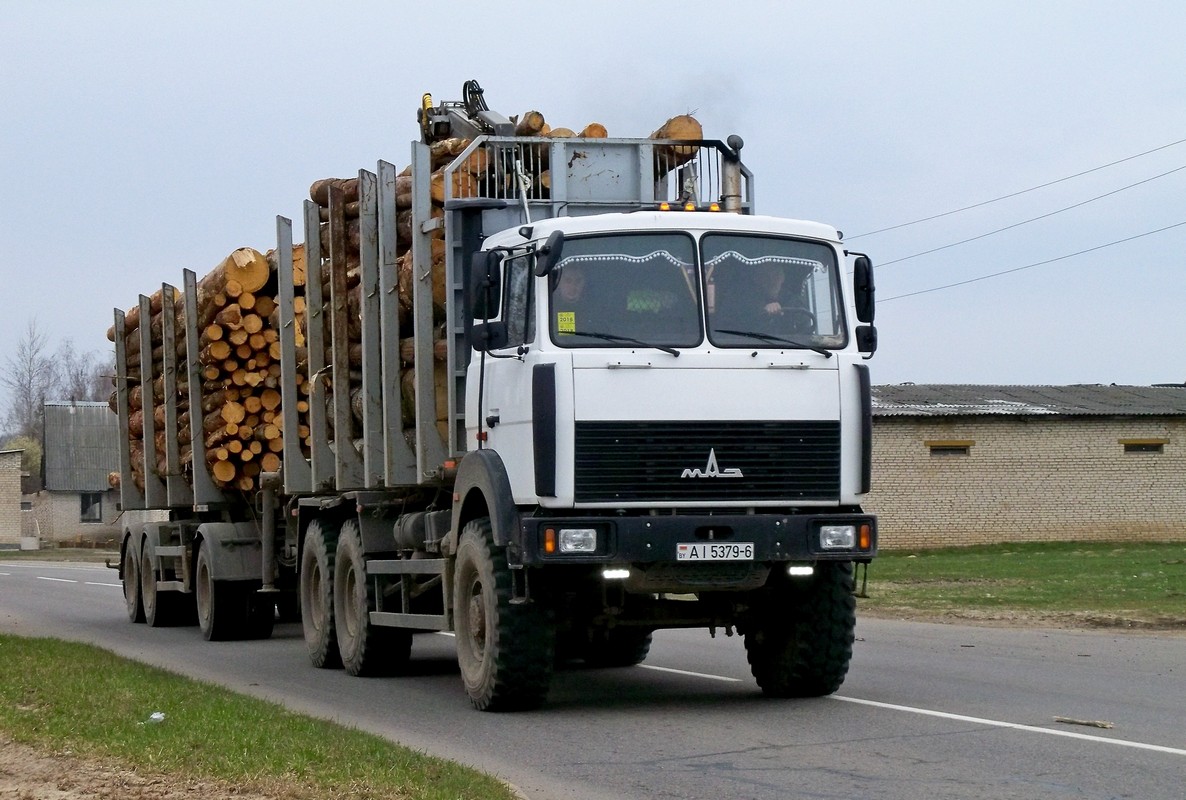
317,594
131,581
505,650
161,609
800,644
221,604
366,649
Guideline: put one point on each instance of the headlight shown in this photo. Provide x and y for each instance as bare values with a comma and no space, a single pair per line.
837,537
578,540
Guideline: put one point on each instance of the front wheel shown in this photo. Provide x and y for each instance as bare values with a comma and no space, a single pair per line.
800,643
366,649
505,650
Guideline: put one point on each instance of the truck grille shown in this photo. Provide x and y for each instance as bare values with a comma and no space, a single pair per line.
707,461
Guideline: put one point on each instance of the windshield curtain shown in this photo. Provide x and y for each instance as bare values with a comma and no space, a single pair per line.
766,291
626,290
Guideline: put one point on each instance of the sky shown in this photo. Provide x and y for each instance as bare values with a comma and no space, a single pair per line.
138,139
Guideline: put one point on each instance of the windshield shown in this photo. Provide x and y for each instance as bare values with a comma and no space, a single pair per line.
626,290
765,291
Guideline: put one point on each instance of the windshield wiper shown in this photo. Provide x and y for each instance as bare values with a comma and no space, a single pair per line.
765,337
610,337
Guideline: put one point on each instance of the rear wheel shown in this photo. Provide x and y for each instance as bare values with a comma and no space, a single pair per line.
261,612
131,582
505,650
366,649
221,604
160,608
800,644
618,647
317,594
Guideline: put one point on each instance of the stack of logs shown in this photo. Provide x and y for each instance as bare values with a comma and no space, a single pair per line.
239,324
239,369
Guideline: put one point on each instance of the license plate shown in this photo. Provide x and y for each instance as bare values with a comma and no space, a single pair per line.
715,551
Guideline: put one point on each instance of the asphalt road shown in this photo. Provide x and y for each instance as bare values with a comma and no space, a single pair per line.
928,711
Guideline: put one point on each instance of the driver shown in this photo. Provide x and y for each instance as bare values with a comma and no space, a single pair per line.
568,297
769,279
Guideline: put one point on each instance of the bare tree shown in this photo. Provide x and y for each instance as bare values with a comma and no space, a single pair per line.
30,377
82,376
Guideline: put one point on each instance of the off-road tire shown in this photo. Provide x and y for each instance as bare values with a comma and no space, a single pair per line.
131,581
260,608
618,647
221,605
505,650
800,642
161,609
366,649
317,594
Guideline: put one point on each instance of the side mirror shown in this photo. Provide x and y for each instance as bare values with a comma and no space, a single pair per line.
484,285
482,297
862,288
548,256
867,339
488,336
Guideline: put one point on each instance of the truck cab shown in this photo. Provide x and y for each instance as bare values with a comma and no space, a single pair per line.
678,405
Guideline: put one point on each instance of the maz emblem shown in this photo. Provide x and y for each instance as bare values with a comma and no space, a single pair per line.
711,470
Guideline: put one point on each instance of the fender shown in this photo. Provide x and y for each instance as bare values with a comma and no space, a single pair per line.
482,488
152,536
236,551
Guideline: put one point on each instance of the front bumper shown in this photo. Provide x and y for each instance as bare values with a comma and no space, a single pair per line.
654,539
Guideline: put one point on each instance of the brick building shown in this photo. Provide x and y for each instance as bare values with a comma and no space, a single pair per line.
10,499
81,449
957,465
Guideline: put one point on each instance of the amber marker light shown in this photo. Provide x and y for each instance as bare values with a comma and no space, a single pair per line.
549,540
665,206
865,536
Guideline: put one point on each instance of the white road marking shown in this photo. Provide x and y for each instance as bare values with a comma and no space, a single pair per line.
692,674
57,580
5,573
1157,748
95,583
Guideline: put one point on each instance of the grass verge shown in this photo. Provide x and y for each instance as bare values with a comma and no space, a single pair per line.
1126,584
65,697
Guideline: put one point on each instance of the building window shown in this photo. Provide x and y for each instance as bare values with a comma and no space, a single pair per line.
92,507
1144,445
950,447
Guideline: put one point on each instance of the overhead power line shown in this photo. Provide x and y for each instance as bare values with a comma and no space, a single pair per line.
1015,194
1031,219
1031,266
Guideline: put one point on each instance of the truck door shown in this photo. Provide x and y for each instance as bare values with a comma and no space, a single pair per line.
499,382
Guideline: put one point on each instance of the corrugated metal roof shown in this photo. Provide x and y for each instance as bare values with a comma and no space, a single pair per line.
81,446
940,400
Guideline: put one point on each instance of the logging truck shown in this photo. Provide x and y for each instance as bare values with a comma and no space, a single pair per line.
547,391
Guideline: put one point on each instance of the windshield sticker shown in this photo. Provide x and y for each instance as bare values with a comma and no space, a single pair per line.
566,322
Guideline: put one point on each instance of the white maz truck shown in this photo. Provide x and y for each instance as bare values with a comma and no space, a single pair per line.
655,414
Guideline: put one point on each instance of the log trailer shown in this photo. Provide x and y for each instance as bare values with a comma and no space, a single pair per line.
639,406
